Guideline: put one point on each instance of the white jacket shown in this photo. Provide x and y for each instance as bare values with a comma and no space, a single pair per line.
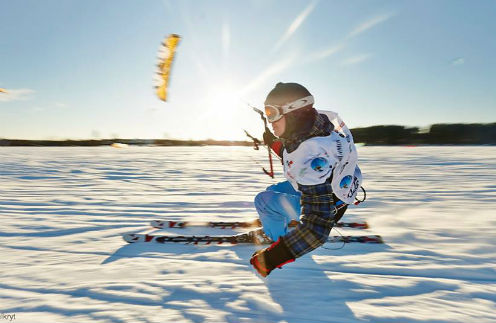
318,158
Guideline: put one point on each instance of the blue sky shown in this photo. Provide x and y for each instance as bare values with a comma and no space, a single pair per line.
84,69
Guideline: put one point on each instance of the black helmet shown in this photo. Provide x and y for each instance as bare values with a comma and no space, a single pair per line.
295,102
284,93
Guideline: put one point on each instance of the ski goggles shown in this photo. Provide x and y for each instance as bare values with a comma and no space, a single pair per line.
275,112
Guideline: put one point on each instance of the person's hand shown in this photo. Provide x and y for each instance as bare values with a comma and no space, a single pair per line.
268,137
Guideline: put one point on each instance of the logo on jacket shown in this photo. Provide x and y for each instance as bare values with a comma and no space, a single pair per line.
346,181
319,164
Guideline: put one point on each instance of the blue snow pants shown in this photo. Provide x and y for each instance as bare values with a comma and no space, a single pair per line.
276,207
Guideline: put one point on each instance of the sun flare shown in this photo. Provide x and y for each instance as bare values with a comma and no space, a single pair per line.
222,109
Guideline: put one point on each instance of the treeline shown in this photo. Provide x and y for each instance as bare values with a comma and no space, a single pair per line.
121,142
438,134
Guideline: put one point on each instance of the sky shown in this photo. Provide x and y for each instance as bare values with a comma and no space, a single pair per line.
84,69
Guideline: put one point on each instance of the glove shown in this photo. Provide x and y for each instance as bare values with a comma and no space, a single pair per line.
268,137
275,256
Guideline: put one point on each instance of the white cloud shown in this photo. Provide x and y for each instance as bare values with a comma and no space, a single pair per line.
274,69
458,61
226,39
357,59
366,25
37,109
323,53
16,95
60,105
295,25
361,28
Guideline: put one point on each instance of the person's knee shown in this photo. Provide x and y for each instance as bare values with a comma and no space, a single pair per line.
272,187
259,199
262,199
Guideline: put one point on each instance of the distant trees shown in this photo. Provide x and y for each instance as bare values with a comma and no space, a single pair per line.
108,142
463,133
385,135
438,134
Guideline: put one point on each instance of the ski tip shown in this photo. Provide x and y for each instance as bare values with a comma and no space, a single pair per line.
379,239
132,237
373,239
157,224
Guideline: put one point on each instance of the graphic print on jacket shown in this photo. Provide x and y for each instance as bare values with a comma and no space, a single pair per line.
317,158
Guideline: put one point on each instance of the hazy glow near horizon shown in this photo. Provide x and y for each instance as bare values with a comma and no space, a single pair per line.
84,69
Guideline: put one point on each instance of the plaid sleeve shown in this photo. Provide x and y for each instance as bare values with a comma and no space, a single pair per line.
316,221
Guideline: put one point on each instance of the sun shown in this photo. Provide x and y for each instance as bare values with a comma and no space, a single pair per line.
223,111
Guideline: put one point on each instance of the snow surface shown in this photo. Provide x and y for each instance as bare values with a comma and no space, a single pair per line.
63,211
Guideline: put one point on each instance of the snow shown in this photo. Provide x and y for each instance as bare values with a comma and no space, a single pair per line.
63,211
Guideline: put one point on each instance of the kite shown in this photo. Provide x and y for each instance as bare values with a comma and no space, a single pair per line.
3,90
165,57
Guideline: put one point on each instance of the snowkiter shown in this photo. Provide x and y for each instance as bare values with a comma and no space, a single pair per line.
320,164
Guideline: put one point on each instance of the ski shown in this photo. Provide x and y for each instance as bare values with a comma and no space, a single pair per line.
158,224
234,239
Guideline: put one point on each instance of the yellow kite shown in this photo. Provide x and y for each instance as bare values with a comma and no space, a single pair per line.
3,90
165,58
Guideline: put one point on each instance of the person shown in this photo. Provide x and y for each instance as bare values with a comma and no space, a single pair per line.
320,164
